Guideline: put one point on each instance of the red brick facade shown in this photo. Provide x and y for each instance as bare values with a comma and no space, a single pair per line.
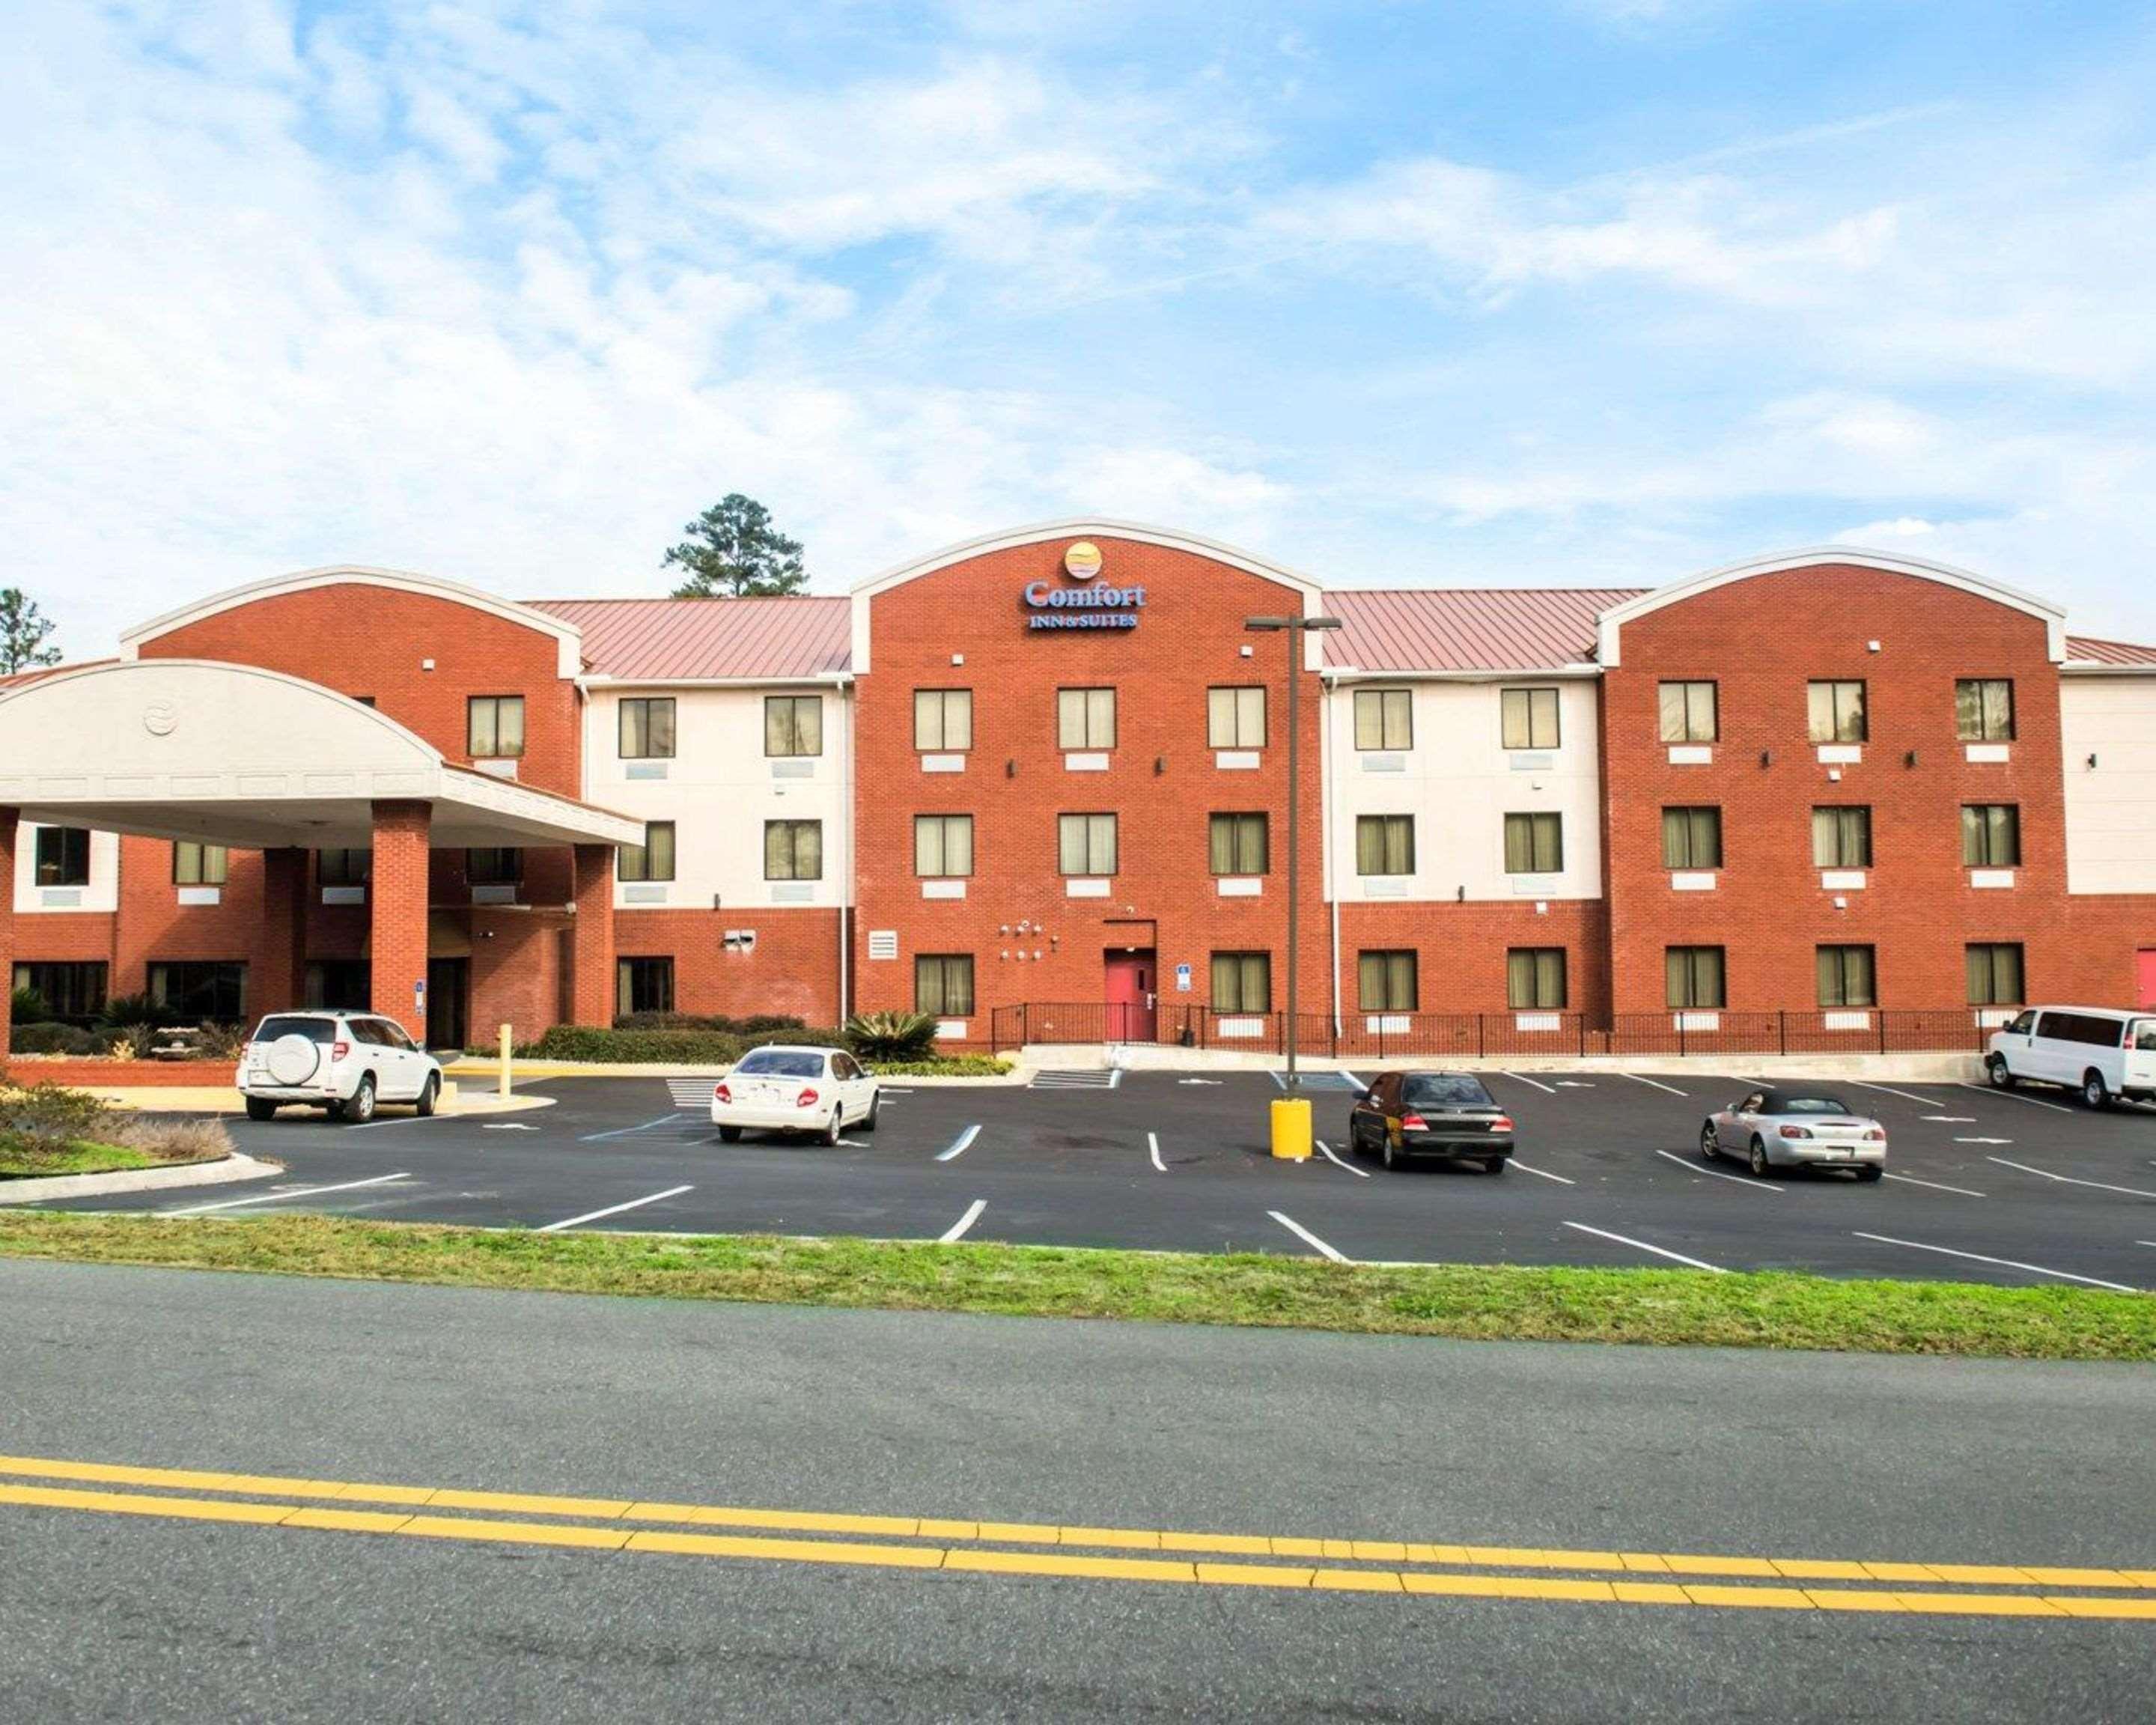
398,899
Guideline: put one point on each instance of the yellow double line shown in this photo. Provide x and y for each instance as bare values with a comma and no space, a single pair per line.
1051,1549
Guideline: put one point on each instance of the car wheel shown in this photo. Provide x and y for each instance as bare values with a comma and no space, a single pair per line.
868,1119
1710,1142
261,1108
1394,1159
1871,1176
1761,1167
730,1135
832,1128
2093,1091
1999,1072
361,1108
1493,1164
430,1093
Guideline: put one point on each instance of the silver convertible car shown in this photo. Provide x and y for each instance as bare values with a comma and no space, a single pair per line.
1773,1128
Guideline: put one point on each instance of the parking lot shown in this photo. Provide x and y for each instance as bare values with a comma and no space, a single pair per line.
2018,1188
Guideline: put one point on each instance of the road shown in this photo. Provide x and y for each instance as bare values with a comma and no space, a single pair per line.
1556,1459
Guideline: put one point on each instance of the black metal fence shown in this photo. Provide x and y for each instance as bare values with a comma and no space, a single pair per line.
1504,1035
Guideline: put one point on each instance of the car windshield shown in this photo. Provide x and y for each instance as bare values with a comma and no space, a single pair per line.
1811,1105
771,1063
1445,1090
313,1029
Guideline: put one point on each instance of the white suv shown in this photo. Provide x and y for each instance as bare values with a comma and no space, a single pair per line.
345,1062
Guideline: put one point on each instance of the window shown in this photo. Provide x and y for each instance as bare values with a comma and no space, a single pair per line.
1837,713
1983,709
793,850
201,990
493,865
1534,844
341,984
63,856
1085,843
69,991
943,984
646,728
794,724
942,719
1235,718
651,860
1242,981
1085,718
1841,838
1535,979
1239,844
494,727
1386,982
1529,717
1995,974
1844,977
1384,845
1689,712
1991,835
942,844
343,868
1695,976
1691,838
1384,719
642,985
197,864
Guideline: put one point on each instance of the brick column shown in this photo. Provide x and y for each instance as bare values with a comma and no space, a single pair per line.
8,827
284,944
592,982
398,953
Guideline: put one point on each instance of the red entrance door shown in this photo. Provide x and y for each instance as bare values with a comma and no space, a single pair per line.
2146,964
1131,980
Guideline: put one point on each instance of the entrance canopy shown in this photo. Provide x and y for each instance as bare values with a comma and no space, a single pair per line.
233,755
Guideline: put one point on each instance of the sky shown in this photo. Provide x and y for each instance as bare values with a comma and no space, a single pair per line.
1553,292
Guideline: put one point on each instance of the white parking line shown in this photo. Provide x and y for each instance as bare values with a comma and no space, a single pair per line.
1152,1149
1547,1089
2069,1180
2016,1095
1544,1172
1358,1083
1657,1084
233,1203
2119,1287
961,1145
957,1230
1911,1180
1888,1090
613,1210
1950,1119
1700,1167
394,1120
1626,1240
626,1131
1304,1235
1360,1174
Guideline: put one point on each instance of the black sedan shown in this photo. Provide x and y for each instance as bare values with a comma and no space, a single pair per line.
1446,1115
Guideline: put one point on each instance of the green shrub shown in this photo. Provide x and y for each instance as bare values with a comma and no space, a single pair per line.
124,1012
760,1025
48,1118
56,1039
964,1065
665,1047
28,1006
891,1036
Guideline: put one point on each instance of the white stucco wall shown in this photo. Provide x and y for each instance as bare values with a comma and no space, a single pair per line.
1459,783
2111,808
101,894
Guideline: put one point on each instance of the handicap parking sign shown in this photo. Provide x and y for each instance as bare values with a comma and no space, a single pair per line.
1183,979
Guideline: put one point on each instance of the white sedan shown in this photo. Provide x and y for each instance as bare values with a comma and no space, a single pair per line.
779,1089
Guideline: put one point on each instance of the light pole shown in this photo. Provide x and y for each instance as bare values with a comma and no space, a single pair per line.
1295,629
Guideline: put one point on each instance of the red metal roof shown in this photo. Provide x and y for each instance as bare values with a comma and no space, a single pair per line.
665,639
1467,629
37,674
2087,649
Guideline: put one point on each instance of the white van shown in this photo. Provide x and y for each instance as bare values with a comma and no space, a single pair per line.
2098,1050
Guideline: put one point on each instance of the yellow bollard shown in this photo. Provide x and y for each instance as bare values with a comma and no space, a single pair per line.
1291,1133
501,1080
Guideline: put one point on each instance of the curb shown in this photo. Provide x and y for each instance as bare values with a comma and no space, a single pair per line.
235,1167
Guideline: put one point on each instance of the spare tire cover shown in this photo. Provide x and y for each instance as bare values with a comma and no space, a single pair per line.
293,1059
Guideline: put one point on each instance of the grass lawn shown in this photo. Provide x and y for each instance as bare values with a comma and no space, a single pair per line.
19,1161
1679,1307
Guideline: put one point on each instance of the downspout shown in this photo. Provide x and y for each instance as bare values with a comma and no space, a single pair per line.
847,906
1327,685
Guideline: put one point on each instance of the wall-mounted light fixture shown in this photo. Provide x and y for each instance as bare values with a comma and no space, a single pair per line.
1159,765
1010,768
1766,757
1909,759
2092,763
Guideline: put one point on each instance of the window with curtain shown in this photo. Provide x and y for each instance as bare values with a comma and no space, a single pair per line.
197,864
1384,719
494,727
1535,979
493,865
651,860
943,984
1991,835
1844,977
1836,711
942,845
1085,843
1691,838
1085,718
63,856
1534,844
1384,845
1995,974
793,850
1841,838
343,868
942,720
644,729
1239,844
1689,712
70,990
1983,708
1242,981
1695,976
793,725
1386,982
1235,718
642,985
1529,718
